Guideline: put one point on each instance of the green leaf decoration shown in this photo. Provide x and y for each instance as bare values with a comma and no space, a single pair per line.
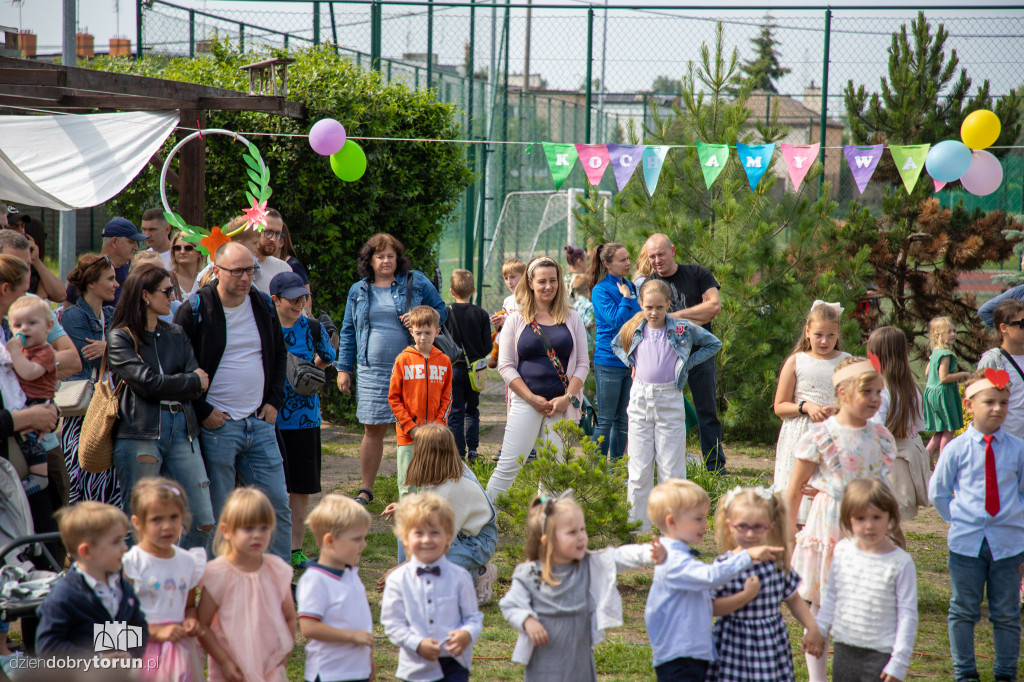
250,198
255,189
256,177
252,163
265,195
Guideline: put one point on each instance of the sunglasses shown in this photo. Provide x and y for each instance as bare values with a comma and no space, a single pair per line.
1019,324
188,248
168,292
104,258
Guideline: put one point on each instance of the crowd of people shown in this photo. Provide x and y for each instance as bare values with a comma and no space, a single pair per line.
217,450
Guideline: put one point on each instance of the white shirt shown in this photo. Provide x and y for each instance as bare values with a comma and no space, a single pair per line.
109,593
509,305
162,585
338,599
165,256
237,387
269,267
871,602
416,607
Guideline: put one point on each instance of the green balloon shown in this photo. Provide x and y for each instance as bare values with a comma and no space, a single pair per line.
349,162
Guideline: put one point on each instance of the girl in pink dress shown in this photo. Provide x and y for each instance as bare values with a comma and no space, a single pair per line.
165,578
246,607
831,454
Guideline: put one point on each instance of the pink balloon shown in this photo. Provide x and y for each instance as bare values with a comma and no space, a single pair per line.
327,137
984,175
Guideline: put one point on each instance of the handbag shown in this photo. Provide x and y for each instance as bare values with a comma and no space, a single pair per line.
303,376
443,341
477,368
96,442
588,415
72,397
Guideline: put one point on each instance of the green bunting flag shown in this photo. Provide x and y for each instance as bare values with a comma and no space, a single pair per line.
909,162
561,159
712,160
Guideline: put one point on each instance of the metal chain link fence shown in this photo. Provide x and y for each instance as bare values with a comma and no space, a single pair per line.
637,59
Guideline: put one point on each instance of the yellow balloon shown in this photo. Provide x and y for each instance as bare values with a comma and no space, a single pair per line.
980,129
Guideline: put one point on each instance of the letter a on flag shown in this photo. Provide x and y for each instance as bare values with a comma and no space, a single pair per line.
755,160
653,159
561,159
594,158
799,159
862,162
624,160
712,160
909,162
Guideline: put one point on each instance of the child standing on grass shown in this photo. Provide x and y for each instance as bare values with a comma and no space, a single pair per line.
429,609
942,413
661,356
678,612
900,413
750,634
332,606
471,328
831,454
246,607
564,597
871,601
165,578
805,395
976,488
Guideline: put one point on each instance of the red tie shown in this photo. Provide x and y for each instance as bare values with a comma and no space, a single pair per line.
991,482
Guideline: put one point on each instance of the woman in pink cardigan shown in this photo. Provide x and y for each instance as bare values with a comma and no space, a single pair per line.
543,360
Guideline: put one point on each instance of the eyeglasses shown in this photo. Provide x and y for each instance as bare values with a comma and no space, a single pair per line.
183,247
168,292
1019,324
744,528
273,235
238,272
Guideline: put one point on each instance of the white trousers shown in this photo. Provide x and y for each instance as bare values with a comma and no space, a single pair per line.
525,426
657,433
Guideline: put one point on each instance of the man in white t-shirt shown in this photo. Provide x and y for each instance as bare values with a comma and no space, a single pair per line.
238,341
156,227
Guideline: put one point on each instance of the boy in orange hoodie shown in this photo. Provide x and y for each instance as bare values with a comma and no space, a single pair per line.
421,385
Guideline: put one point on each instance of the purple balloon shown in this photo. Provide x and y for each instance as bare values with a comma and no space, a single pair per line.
985,174
327,137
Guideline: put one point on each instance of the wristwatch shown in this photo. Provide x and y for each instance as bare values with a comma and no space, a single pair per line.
574,401
800,407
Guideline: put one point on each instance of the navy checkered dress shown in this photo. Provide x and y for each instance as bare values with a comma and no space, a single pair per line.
753,642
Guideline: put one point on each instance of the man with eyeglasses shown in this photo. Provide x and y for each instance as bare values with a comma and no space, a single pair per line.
265,248
238,341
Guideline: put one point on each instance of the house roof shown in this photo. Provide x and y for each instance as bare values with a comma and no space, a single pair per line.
790,109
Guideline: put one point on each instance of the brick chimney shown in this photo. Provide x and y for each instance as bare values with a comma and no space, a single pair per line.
812,94
27,43
120,47
84,43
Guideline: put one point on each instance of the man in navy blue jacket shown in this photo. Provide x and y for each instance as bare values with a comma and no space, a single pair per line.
93,610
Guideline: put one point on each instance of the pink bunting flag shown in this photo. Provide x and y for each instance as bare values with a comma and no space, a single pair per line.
799,159
595,160
939,184
624,160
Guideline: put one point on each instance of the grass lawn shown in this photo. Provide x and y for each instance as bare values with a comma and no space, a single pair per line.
625,655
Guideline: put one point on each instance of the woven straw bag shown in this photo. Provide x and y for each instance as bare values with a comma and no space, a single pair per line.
96,443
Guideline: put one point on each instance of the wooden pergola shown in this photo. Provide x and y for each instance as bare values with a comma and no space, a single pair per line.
27,85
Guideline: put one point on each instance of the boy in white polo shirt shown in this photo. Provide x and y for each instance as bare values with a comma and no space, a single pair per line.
333,611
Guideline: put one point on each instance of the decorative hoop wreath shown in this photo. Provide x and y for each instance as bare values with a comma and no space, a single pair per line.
208,241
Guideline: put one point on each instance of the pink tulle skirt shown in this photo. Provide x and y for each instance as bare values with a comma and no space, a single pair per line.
173,661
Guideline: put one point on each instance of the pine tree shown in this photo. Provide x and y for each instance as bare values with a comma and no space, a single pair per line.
764,70
917,248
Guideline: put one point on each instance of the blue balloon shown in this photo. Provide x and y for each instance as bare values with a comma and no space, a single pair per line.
948,160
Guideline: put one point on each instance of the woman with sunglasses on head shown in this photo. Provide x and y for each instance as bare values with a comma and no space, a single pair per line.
186,262
158,431
87,322
1008,323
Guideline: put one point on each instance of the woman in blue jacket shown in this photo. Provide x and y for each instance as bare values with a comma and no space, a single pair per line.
615,302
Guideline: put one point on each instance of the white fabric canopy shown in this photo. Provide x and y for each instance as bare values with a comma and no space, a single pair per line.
76,161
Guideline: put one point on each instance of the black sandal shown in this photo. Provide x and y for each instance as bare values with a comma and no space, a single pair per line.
364,500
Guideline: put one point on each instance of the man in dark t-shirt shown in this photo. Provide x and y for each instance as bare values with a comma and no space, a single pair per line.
694,298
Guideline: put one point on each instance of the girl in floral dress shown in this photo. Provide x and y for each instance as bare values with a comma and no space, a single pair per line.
830,455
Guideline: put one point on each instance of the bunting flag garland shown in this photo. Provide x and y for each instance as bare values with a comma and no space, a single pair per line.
653,159
712,160
799,159
624,159
909,162
755,159
938,184
594,158
862,162
561,159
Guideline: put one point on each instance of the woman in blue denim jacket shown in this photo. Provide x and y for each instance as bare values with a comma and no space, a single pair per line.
661,350
87,323
372,335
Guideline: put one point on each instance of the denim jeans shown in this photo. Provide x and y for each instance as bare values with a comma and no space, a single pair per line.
176,458
613,384
464,420
682,669
970,578
248,448
705,400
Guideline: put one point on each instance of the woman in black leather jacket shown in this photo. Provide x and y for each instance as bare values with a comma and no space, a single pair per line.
157,432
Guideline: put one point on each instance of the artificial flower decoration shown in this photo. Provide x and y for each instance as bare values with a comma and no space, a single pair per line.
213,241
875,362
256,215
998,377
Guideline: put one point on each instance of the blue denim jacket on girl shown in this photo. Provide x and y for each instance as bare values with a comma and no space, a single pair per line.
692,343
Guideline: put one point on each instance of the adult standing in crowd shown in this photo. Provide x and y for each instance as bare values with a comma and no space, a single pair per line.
87,322
157,430
543,360
1008,319
186,262
615,302
120,242
158,234
695,298
373,333
42,282
237,340
276,241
